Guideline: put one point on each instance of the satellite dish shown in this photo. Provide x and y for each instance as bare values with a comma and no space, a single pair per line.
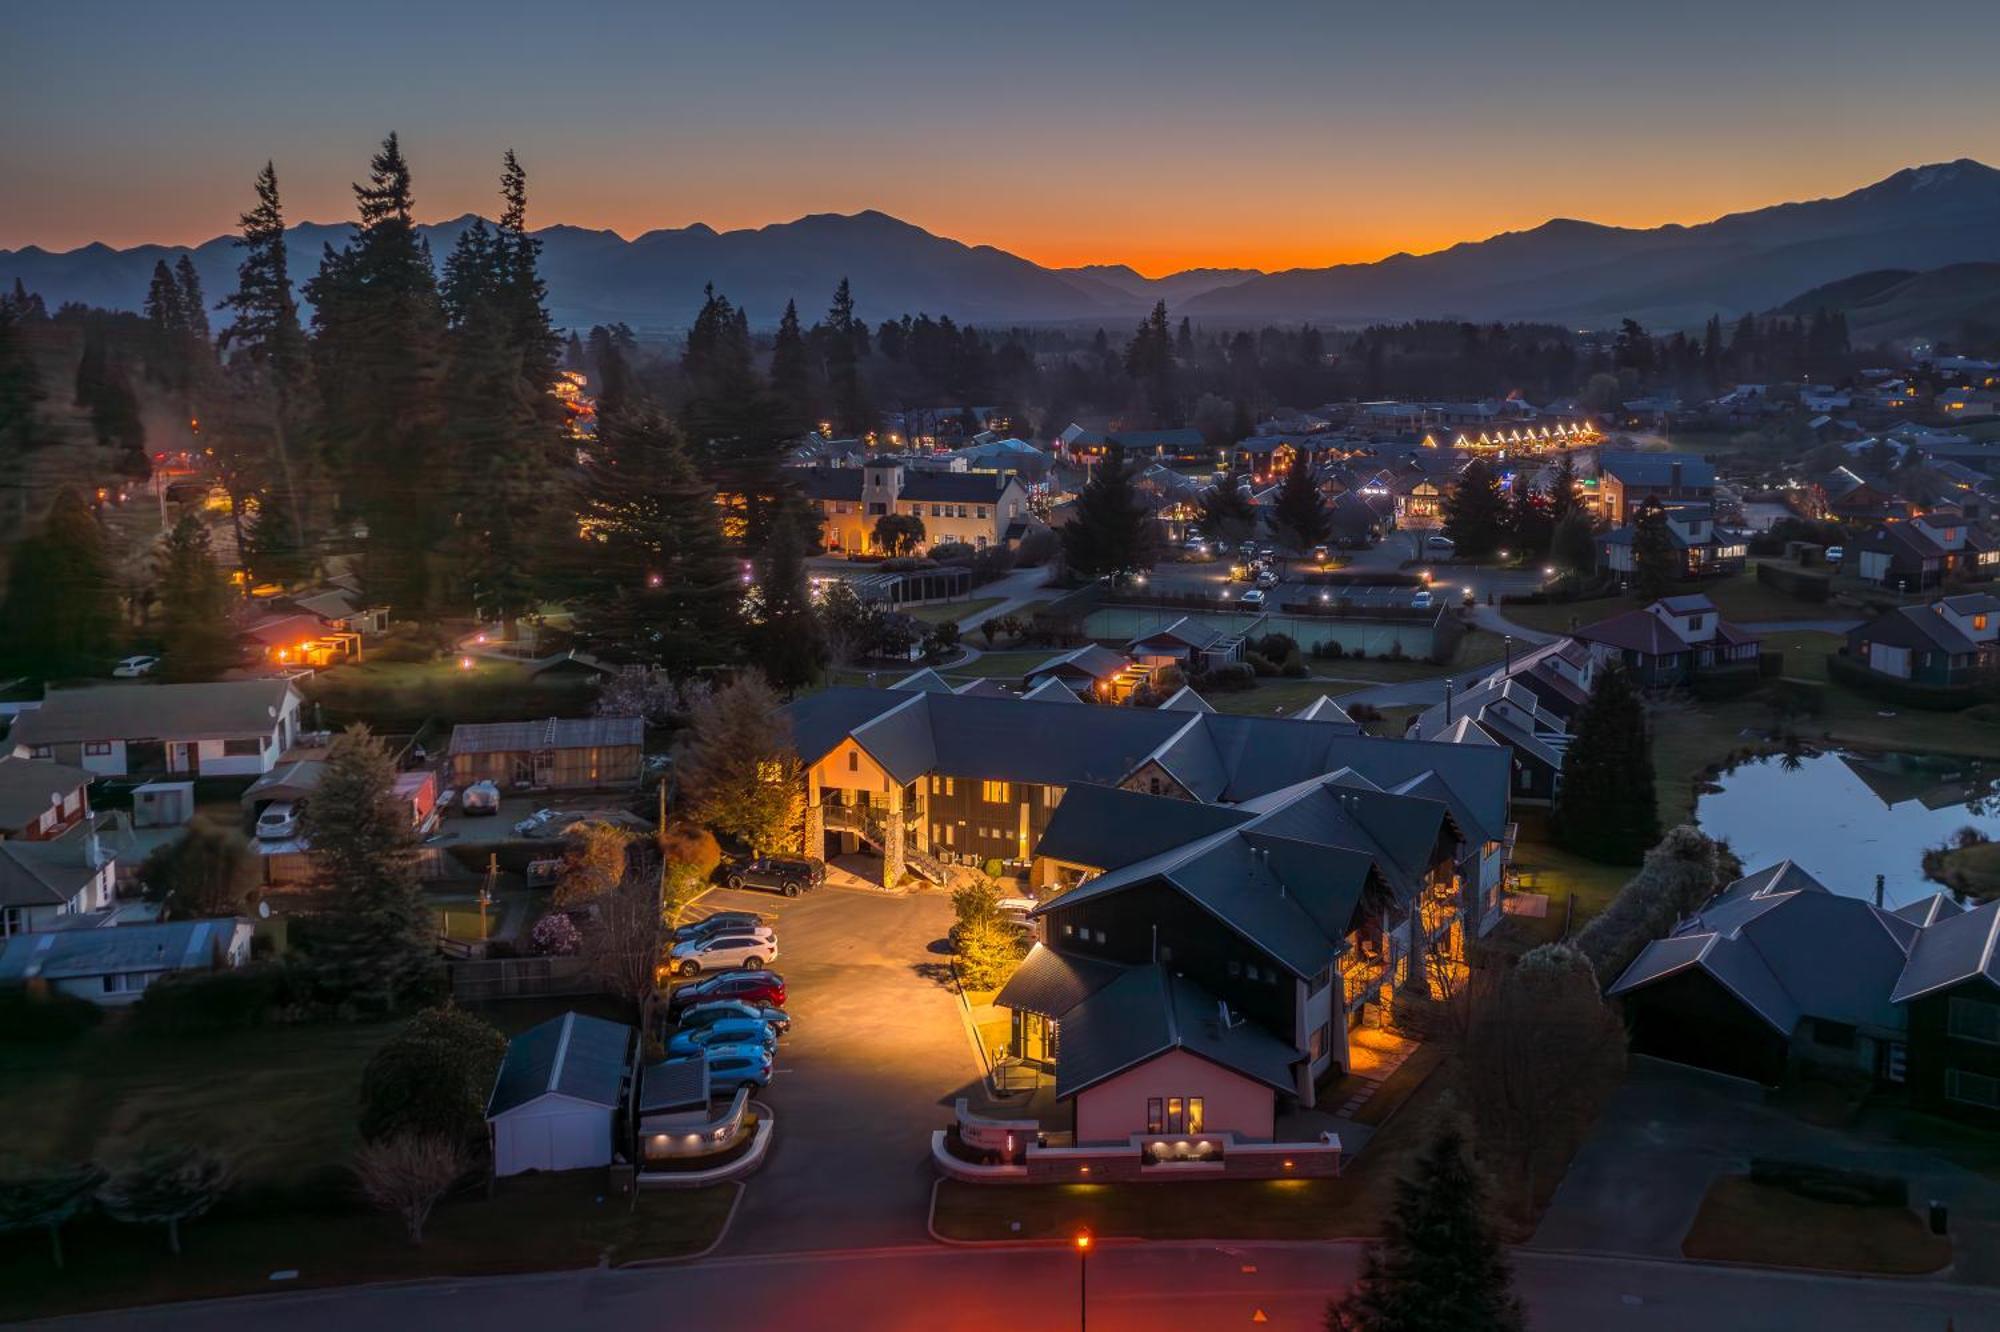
271,711
263,911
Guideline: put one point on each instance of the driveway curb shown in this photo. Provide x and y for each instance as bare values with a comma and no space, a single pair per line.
721,1234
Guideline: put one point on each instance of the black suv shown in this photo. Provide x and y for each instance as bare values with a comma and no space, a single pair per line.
790,875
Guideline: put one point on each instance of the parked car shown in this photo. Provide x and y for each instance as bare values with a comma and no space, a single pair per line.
1195,544
1438,541
756,931
131,668
750,987
731,1066
1835,554
279,820
729,1031
1421,601
480,798
1267,579
1321,554
1254,597
725,949
721,920
1017,910
790,875
708,1014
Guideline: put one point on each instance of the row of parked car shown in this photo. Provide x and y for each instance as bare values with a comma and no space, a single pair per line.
732,1018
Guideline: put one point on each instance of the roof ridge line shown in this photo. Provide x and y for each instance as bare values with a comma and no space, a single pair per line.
1167,998
562,1051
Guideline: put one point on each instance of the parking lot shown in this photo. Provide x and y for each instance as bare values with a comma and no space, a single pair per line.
876,1055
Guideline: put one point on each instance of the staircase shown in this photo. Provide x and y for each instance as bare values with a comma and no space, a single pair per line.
867,825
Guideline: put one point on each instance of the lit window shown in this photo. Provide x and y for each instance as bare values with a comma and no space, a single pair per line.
854,760
993,793
1979,622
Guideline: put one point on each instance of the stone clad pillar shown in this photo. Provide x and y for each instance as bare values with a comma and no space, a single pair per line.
892,837
815,814
924,815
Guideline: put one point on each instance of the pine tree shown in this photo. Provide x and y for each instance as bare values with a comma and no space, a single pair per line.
197,633
846,343
1606,808
105,390
1475,513
1657,563
378,362
1563,496
272,549
1149,361
1529,524
791,370
376,948
657,584
738,772
785,638
21,390
1439,1266
1112,531
1300,514
1573,543
166,329
194,306
60,615
1227,514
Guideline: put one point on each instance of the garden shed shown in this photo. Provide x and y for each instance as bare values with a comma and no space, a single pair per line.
560,1097
557,753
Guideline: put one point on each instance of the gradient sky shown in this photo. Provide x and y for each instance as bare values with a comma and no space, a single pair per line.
1165,135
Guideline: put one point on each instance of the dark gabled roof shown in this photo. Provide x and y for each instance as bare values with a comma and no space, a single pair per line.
225,710
1951,951
1147,1012
549,733
1914,627
926,681
1050,690
1099,663
584,1058
26,785
1927,911
1186,631
107,949
1107,827
829,483
1655,469
1636,631
1185,699
925,486
45,873
674,1084
1692,604
1181,437
1052,983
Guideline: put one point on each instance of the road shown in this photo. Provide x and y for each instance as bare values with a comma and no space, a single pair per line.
1131,1287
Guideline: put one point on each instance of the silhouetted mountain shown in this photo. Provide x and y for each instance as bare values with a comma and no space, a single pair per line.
1564,270
1891,304
1572,271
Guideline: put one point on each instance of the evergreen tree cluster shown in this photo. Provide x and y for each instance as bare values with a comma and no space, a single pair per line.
1607,809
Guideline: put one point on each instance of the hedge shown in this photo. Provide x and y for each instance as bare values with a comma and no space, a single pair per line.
1795,583
217,1001
40,1016
1932,698
1856,1188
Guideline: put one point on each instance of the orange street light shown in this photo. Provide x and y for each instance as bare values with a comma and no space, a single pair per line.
1082,1280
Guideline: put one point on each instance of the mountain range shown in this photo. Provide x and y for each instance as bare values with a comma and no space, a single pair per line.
1918,221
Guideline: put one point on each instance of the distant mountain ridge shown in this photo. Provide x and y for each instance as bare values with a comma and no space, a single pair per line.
1918,221
1890,304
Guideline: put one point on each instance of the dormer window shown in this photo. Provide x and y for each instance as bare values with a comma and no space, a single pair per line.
1979,622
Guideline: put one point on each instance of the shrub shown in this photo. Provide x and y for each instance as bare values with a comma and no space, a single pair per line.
1276,646
1294,668
1395,652
217,1001
1330,650
1364,712
1844,669
555,935
432,1077
1260,664
1037,547
41,1016
1679,874
994,869
1232,677
692,845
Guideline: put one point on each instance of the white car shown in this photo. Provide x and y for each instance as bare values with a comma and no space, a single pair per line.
1267,579
728,949
279,820
1254,597
1018,911
1439,542
544,823
1835,554
133,667
1421,601
480,798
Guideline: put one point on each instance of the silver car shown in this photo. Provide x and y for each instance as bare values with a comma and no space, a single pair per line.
718,951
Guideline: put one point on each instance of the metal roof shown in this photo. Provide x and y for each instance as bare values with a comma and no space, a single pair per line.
26,785
550,733
1052,983
1106,827
46,873
228,709
674,1084
82,953
1951,951
583,1058
1147,1012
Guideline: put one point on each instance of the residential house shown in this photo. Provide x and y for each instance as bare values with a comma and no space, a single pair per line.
41,800
975,778
1089,669
1627,480
1946,643
1672,642
557,753
47,885
1923,553
115,964
1181,444
1191,643
973,508
234,728
1705,550
1778,974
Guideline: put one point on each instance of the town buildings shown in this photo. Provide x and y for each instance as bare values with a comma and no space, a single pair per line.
1627,480
1947,643
978,509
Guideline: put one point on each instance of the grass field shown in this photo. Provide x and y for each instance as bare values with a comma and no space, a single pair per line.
1740,598
952,610
1011,665
1742,1222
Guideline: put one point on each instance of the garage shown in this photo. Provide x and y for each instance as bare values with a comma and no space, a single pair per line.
559,1100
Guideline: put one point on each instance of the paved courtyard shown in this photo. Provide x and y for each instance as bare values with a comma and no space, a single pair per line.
876,1056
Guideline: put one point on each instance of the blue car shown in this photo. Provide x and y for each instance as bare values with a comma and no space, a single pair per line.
733,1066
716,1010
728,1031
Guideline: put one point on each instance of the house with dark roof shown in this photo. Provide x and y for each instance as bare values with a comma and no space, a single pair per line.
555,753
973,778
1924,552
1284,921
562,1097
1086,670
1670,643
1627,480
1705,550
40,800
1185,642
229,728
973,508
1948,643
1777,973
113,965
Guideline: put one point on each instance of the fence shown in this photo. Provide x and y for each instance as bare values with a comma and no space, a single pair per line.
519,978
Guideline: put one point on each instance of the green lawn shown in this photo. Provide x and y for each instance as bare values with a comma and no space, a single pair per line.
461,920
1010,665
1744,1222
952,610
1547,868
1740,598
532,1223
401,695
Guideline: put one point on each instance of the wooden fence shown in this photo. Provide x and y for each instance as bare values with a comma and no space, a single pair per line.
476,981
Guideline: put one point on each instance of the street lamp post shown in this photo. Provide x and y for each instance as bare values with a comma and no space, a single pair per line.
1507,645
1082,1280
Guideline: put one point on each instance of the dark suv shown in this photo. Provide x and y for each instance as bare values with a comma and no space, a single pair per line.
790,875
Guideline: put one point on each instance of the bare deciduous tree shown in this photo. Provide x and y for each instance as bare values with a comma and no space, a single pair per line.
625,938
407,1173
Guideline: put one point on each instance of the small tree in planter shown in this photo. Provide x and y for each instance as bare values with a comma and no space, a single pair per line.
166,1186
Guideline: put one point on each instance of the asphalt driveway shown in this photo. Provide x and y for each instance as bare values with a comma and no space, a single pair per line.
876,1056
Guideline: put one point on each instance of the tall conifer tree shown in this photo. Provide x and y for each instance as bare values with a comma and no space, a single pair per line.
1607,808
1112,532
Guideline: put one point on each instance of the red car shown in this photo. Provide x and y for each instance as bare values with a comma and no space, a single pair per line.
755,987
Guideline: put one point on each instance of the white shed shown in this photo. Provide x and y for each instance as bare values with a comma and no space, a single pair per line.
560,1095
